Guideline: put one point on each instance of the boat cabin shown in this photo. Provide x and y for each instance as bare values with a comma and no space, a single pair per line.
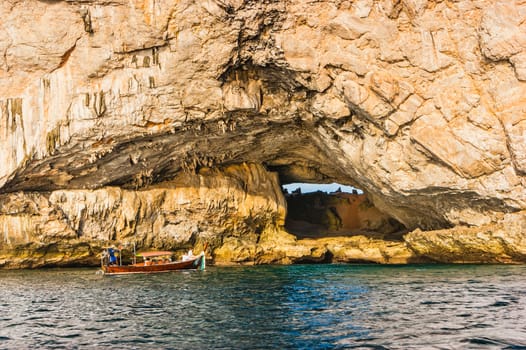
155,258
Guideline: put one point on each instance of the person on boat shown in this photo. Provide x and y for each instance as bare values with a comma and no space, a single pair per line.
188,256
112,257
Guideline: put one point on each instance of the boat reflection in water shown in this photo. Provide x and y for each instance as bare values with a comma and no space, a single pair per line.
153,262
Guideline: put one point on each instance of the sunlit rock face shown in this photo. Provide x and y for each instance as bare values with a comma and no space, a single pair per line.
65,227
419,103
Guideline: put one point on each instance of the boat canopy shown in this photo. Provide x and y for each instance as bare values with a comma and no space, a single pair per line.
154,254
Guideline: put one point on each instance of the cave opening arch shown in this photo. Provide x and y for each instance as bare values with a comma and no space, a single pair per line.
318,210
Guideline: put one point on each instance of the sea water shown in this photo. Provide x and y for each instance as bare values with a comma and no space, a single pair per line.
268,307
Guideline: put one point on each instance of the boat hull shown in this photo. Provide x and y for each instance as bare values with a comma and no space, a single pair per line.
194,264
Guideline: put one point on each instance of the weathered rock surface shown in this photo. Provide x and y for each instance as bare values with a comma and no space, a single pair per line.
501,243
320,214
238,203
422,104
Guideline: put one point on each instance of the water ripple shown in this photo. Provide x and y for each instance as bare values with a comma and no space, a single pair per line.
287,307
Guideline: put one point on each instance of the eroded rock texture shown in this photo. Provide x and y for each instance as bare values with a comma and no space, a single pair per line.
422,104
238,204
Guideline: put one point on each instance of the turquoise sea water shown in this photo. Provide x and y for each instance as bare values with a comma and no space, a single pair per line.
268,307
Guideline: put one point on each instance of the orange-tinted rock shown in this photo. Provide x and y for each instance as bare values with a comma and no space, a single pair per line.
418,103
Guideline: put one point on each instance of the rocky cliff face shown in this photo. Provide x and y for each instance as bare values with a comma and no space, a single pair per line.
320,214
236,205
104,104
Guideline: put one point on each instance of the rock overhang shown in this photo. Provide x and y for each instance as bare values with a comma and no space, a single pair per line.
376,96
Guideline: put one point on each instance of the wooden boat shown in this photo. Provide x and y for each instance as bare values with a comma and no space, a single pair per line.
153,262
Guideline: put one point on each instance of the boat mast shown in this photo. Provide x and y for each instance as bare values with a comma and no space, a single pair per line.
134,242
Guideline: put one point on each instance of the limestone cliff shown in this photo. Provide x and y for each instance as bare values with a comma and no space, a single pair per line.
319,214
66,227
105,105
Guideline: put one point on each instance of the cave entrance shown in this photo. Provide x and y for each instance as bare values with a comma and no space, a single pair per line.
327,210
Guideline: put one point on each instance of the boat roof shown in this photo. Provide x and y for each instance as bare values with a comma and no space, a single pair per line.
154,253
